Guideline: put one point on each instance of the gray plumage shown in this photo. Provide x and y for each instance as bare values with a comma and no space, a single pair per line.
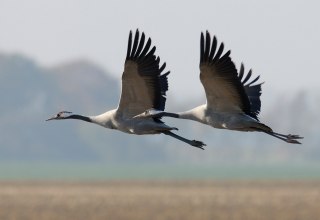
233,99
143,87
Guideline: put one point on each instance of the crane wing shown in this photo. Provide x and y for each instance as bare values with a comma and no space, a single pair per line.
223,87
143,86
252,90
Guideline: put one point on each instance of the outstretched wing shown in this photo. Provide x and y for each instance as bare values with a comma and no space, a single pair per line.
253,91
143,86
219,77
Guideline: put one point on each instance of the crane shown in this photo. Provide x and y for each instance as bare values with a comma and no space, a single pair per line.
233,99
143,87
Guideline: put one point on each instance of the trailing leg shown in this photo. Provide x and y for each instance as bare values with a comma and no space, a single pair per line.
194,143
292,139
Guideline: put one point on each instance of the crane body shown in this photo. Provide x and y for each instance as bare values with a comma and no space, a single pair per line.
143,87
233,98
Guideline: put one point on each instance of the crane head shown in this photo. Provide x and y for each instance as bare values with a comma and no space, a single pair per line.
60,115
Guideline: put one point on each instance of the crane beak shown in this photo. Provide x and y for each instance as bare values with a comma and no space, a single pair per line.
52,118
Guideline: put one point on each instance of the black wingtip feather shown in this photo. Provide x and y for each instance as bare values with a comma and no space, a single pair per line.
135,43
148,66
253,91
141,44
207,47
213,48
146,48
255,80
240,75
151,52
202,48
129,45
220,51
247,77
162,67
225,56
249,94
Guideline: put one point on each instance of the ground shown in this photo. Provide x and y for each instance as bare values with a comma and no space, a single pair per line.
157,200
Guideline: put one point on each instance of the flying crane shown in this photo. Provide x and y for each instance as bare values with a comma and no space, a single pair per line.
143,87
233,99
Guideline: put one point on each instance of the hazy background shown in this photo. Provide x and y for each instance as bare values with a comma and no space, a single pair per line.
69,55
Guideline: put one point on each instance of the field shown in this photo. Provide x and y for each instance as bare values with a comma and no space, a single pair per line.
208,200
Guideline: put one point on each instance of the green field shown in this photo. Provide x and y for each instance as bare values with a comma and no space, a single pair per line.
158,191
91,171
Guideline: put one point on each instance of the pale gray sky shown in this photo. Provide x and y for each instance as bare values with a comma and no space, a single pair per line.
278,39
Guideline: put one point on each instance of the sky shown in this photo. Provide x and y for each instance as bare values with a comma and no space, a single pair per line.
279,40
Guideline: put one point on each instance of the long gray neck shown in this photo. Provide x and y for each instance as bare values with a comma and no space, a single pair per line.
188,115
195,114
169,114
79,117
183,115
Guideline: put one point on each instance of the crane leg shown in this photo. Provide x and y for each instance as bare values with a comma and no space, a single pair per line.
194,143
292,139
289,136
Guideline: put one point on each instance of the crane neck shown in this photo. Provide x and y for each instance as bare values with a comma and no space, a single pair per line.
187,115
195,114
183,115
169,114
79,117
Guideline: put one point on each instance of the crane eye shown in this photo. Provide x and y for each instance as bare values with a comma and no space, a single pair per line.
61,114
